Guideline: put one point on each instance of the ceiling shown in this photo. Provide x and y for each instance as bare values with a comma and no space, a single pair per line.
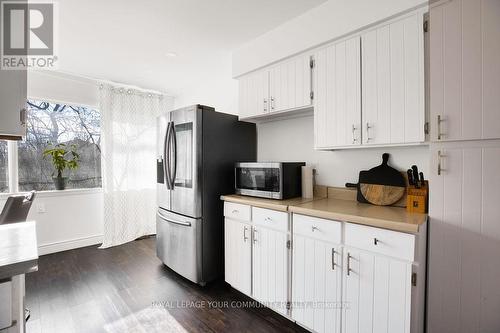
130,41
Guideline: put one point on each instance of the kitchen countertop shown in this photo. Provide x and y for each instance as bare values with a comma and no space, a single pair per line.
279,205
393,218
18,249
340,204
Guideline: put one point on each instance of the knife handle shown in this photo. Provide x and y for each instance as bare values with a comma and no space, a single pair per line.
410,177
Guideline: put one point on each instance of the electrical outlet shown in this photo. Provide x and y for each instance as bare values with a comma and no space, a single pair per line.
40,208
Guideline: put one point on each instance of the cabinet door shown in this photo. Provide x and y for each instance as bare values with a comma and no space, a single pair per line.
316,284
376,294
270,268
465,70
393,82
464,238
253,94
337,100
13,96
238,255
290,84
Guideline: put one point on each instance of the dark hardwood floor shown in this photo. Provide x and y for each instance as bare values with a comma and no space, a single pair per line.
127,289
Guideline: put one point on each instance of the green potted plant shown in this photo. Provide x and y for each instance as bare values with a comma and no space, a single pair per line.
63,157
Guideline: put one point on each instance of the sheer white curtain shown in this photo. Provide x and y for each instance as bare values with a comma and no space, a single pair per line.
128,128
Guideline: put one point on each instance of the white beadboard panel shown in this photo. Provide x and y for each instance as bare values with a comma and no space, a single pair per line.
337,94
316,291
465,69
237,255
377,293
490,26
393,82
464,265
270,268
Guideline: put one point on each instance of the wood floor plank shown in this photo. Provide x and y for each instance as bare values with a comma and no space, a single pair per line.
127,289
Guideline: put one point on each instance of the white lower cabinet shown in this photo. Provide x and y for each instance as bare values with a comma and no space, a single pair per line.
343,277
238,255
269,262
376,293
316,284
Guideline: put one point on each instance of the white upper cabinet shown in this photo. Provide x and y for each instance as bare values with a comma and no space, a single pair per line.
290,84
337,102
254,94
465,70
13,96
393,83
282,87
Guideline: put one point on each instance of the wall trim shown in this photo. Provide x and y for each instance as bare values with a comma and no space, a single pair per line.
69,244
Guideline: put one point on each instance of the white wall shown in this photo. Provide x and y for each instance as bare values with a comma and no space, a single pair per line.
219,91
62,88
293,140
319,25
66,220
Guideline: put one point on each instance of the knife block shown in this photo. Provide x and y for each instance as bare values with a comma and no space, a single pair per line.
417,199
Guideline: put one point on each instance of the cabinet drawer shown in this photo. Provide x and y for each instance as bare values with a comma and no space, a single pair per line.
237,211
270,218
386,242
326,230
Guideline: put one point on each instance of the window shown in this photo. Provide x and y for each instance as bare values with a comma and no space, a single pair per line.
4,168
53,123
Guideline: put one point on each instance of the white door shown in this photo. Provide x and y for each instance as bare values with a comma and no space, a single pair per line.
393,82
465,70
376,294
238,255
254,94
290,84
316,284
13,98
270,268
337,95
464,237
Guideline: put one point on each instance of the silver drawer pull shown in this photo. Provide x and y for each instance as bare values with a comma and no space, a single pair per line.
235,211
375,241
314,228
268,219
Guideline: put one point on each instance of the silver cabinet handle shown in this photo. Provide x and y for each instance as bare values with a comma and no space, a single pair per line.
254,235
439,121
245,234
314,228
265,105
368,127
440,156
375,241
333,259
272,103
348,264
235,211
354,139
268,219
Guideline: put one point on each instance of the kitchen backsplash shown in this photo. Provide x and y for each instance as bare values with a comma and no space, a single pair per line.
293,140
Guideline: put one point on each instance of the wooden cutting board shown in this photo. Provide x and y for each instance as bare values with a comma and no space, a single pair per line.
382,185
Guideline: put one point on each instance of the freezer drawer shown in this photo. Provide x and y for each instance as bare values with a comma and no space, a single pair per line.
178,244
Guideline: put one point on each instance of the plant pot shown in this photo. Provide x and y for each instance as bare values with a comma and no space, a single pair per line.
60,183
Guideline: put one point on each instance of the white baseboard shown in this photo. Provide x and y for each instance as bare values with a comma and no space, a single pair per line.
69,244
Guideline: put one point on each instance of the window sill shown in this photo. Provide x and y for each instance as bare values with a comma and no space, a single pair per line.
54,193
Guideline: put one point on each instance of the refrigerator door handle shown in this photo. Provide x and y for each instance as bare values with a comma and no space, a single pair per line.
164,218
174,140
166,159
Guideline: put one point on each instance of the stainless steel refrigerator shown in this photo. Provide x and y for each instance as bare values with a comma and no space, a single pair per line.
197,150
